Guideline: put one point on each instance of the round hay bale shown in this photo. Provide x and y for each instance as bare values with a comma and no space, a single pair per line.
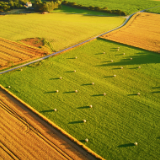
139,66
114,75
86,140
92,83
74,70
104,94
131,58
76,91
138,94
90,106
84,121
57,91
136,143
111,60
60,77
121,67
123,53
55,110
9,86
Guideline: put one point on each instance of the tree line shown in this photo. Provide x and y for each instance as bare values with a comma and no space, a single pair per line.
38,5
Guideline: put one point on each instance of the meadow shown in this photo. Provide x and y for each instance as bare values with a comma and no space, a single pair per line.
119,117
135,32
128,7
61,30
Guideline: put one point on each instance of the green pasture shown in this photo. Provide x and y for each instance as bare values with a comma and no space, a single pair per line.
116,120
127,6
60,29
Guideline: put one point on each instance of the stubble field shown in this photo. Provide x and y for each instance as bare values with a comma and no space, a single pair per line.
12,53
141,31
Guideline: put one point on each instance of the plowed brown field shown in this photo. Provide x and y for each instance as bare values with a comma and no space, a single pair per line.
24,135
12,53
142,31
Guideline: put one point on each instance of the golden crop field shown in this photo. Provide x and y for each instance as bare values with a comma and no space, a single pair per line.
12,53
141,31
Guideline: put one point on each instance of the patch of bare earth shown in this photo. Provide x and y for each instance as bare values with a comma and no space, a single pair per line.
24,135
12,53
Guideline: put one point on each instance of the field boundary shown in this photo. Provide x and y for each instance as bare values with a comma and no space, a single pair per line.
54,125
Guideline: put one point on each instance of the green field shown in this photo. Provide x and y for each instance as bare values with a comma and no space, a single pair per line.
116,120
60,29
128,7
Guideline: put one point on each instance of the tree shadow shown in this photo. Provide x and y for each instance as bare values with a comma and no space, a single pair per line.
51,110
74,122
84,107
127,145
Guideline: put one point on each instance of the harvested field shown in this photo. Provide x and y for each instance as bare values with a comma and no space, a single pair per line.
141,31
12,53
24,135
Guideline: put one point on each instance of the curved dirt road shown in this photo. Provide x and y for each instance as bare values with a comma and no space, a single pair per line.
24,135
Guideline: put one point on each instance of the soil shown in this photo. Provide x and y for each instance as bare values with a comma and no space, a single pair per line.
36,42
25,135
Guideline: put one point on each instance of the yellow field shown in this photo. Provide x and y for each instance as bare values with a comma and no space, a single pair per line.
12,53
142,31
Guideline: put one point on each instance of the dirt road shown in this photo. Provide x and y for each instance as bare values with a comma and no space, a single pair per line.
24,135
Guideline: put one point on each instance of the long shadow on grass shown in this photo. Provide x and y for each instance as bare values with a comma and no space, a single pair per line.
127,145
69,92
155,87
51,92
87,84
84,107
44,111
156,92
53,78
139,58
132,94
97,95
74,122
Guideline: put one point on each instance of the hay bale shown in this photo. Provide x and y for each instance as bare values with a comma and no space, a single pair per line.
121,67
111,60
60,77
131,58
74,70
86,140
84,121
55,110
114,75
123,53
92,83
90,106
9,86
104,94
139,66
76,91
57,91
138,94
136,143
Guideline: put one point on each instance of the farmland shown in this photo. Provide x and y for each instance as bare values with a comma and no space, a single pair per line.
141,31
128,7
60,32
119,117
12,53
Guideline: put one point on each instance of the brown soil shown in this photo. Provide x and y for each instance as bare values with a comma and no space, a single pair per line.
25,135
12,53
36,42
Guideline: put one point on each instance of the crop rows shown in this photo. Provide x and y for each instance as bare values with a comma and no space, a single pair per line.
12,52
142,31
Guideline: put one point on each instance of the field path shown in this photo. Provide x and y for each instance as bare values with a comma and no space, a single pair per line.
24,135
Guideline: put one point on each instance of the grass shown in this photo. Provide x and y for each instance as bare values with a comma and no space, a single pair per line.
116,120
128,7
60,29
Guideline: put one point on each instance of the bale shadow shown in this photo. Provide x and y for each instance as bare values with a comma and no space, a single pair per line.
127,145
158,137
53,78
74,122
71,58
155,87
44,111
51,92
108,76
116,68
69,71
156,92
99,53
84,107
132,95
97,95
69,92
87,84
83,141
